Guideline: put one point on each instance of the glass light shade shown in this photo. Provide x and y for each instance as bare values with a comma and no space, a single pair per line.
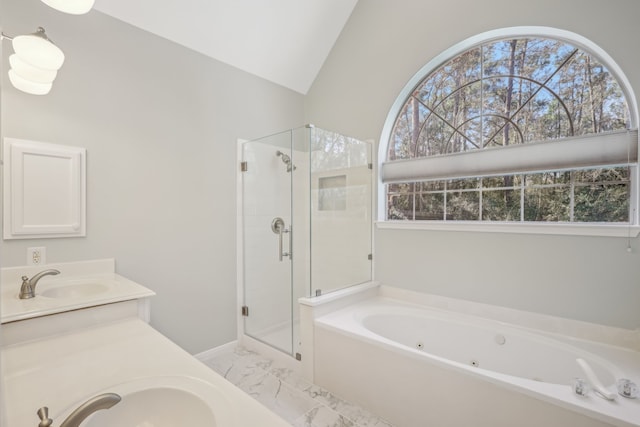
31,73
74,7
37,50
28,86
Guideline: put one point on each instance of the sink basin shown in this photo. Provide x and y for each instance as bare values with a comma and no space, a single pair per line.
162,402
75,290
157,407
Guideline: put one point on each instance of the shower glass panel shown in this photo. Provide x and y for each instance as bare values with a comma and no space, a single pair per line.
306,224
267,251
341,191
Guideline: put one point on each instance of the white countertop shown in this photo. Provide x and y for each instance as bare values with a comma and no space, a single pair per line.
63,370
102,272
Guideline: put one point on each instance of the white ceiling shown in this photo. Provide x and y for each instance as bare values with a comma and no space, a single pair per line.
283,41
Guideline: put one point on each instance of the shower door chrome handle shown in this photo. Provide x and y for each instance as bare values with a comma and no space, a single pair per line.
277,226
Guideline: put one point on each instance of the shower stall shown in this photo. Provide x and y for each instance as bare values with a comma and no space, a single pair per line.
305,225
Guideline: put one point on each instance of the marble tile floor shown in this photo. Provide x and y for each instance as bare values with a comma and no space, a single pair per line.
298,401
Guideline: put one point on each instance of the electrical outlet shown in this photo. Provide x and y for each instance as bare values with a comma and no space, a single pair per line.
37,256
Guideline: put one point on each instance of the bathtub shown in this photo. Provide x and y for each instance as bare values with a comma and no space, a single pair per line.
415,366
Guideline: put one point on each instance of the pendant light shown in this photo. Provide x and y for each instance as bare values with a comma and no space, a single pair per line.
29,72
28,86
74,7
37,50
35,63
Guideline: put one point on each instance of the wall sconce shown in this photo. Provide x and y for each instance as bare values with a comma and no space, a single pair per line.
36,62
74,7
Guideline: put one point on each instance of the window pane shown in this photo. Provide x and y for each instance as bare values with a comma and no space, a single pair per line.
502,181
468,137
402,188
551,119
461,70
463,206
405,137
620,174
501,205
597,103
602,195
548,178
431,186
602,203
439,137
463,184
400,207
430,206
460,112
547,204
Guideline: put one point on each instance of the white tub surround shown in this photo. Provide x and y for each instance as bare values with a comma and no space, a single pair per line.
79,285
418,359
312,308
64,370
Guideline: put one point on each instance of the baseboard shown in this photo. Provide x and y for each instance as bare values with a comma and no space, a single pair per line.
210,354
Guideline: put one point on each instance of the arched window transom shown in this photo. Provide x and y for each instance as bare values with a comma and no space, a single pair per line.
524,129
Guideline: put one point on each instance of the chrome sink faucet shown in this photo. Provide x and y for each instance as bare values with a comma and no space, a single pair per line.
102,401
28,288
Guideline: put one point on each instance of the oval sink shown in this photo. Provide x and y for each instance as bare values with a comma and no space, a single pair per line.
75,290
162,402
157,407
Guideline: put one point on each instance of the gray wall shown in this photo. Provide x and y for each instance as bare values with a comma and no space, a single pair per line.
383,45
160,124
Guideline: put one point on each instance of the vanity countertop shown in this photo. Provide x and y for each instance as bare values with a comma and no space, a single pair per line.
79,285
61,370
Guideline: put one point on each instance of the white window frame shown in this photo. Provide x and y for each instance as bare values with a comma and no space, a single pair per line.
585,229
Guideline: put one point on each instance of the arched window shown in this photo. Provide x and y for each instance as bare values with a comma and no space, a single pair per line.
524,129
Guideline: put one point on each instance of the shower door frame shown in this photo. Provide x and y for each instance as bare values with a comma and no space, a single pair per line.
244,338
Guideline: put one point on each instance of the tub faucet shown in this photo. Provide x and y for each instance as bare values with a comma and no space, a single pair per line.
595,381
102,401
28,288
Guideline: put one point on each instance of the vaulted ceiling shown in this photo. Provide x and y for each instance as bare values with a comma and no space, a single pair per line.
283,41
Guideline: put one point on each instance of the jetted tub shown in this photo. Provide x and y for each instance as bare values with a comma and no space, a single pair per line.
420,366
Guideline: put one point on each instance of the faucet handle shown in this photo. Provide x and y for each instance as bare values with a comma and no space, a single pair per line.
581,387
627,388
25,279
45,421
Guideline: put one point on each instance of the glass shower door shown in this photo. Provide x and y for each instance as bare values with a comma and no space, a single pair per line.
267,240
